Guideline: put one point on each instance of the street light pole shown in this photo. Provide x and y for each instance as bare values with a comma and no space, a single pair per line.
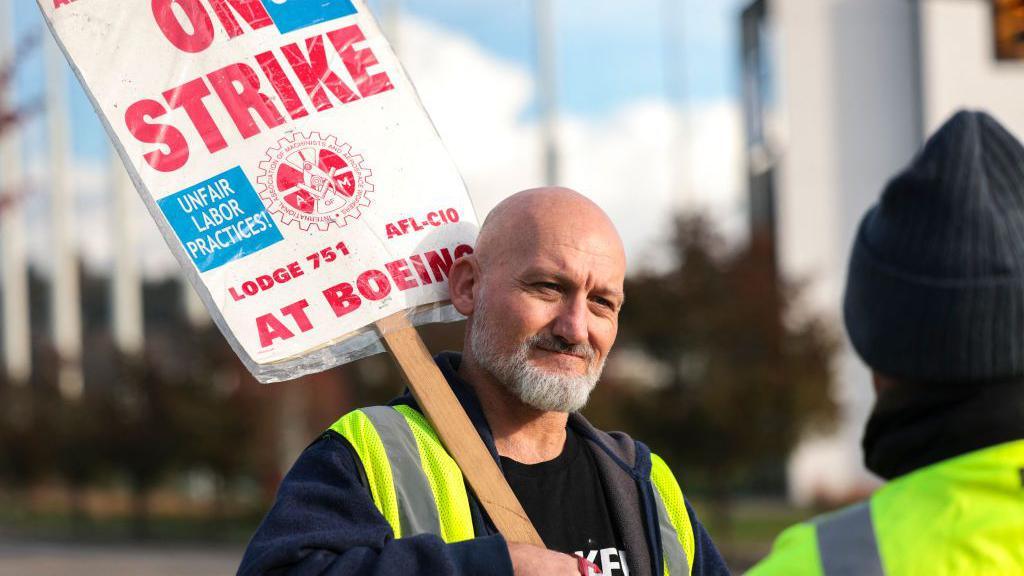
547,83
17,352
67,322
126,295
675,70
391,22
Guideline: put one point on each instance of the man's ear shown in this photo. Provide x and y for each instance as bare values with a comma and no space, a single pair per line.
462,279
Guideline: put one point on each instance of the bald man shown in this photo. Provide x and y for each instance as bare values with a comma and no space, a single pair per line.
377,493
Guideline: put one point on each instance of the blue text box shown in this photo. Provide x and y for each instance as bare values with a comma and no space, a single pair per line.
220,220
290,15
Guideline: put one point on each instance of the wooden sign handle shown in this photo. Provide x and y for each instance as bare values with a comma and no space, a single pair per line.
453,427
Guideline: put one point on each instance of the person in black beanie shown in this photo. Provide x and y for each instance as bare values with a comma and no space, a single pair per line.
934,305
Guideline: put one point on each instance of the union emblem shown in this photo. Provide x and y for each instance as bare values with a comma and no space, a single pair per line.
312,180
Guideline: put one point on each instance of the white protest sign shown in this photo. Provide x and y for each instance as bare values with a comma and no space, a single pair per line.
287,160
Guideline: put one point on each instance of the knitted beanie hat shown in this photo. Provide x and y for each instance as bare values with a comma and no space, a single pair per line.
935,290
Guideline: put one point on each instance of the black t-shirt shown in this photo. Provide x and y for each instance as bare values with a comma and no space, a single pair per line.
565,499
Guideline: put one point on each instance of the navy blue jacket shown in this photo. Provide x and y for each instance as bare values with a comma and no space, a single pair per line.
324,520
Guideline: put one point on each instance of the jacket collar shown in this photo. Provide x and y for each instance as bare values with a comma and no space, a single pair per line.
916,425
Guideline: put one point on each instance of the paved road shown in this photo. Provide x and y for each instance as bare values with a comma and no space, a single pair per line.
45,559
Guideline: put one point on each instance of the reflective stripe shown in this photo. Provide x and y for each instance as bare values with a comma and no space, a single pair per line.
417,511
677,539
846,543
360,433
415,484
672,550
445,479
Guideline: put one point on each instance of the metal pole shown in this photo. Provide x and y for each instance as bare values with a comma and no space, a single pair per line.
391,21
292,419
195,311
126,295
67,323
675,70
547,83
17,352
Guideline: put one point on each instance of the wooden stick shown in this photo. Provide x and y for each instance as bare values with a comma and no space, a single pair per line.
453,427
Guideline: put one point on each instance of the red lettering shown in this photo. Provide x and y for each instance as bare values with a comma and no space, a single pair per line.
281,275
314,73
358,61
298,312
404,224
342,299
252,11
282,85
190,97
170,24
392,231
401,274
138,120
421,269
383,287
250,288
270,329
432,218
415,225
453,214
462,250
59,3
440,264
235,295
238,88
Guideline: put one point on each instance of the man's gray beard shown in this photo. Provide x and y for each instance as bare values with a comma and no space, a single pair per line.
533,386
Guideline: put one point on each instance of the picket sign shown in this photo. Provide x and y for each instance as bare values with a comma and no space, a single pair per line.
284,155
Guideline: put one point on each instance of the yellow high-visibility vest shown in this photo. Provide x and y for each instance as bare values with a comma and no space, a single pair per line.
418,488
964,515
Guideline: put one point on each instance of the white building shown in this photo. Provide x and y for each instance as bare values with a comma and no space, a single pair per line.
839,94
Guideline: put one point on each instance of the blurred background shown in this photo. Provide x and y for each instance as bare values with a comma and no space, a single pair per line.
736,143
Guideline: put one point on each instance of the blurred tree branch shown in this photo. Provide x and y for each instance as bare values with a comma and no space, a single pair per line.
12,116
746,375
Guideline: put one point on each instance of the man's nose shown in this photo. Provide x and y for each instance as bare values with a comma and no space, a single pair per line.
571,323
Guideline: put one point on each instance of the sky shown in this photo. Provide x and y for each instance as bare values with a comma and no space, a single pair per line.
647,90
609,52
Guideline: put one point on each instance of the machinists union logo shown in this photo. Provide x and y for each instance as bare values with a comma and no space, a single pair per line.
314,181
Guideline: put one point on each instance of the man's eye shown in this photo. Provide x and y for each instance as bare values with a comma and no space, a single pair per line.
547,289
604,302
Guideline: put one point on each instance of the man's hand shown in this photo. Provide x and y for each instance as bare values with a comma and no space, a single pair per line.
533,561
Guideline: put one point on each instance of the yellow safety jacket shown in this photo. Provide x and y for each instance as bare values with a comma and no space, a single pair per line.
418,487
963,516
